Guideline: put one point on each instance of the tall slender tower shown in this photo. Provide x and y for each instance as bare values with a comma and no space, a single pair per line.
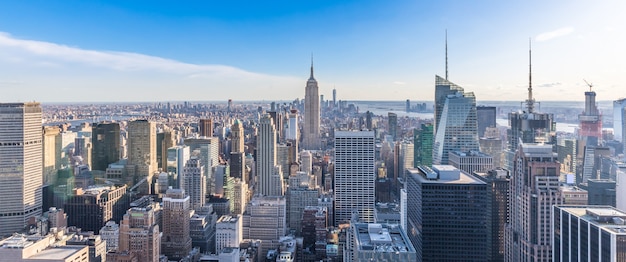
237,137
270,182
106,145
311,132
21,165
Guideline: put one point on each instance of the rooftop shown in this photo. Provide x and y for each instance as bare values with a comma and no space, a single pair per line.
57,253
605,217
381,238
434,175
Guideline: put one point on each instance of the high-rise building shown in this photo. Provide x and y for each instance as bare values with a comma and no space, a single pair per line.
472,161
228,232
456,127
618,114
139,235
491,144
91,208
528,126
601,192
486,116
334,97
141,149
534,189
50,162
177,157
498,183
590,121
264,219
207,150
448,214
237,137
355,169
165,140
176,242
292,126
270,180
392,125
311,130
195,182
205,127
588,233
20,165
314,224
423,145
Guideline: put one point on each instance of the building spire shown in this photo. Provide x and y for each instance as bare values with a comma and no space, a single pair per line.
311,67
446,54
530,103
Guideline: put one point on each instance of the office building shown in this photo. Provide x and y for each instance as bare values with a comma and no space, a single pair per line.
456,126
141,149
202,230
110,233
448,214
573,195
176,242
90,208
237,139
50,162
165,139
567,150
486,116
264,219
207,150
314,234
228,232
177,157
205,127
491,144
590,121
354,175
20,247
534,189
529,125
270,178
472,161
299,197
498,181
20,165
195,183
423,145
292,130
139,235
392,125
106,145
588,233
378,242
311,130
618,115
601,192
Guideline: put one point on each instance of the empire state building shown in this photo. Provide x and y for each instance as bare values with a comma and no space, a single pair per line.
311,132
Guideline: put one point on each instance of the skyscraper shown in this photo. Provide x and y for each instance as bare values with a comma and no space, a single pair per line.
195,182
486,116
534,188
237,137
139,234
354,175
205,127
270,182
456,126
618,109
20,165
528,126
392,127
176,242
141,148
265,219
423,145
311,131
590,121
447,216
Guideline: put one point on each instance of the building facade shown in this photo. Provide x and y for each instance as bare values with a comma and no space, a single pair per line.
311,130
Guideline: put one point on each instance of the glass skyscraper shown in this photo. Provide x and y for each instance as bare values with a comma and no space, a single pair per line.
456,127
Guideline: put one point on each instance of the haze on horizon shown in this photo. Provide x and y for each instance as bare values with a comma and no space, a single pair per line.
248,50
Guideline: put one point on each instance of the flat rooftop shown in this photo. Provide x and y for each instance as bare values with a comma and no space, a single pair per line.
381,238
605,217
57,253
463,179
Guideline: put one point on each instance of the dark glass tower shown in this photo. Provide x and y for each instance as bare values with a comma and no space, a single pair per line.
106,145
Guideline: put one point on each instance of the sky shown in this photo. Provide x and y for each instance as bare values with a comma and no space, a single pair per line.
106,51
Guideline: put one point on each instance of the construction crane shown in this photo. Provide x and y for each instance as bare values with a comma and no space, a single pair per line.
589,84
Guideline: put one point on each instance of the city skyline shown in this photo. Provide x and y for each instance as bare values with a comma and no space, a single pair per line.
251,51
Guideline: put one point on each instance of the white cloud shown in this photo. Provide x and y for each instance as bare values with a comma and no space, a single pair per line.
554,34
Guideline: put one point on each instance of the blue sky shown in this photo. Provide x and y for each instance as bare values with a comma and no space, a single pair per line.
89,51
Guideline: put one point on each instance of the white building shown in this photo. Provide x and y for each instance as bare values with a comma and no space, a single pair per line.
228,232
195,182
21,165
111,234
270,182
354,175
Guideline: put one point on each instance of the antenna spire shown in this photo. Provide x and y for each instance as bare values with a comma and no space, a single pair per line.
311,66
446,54
530,103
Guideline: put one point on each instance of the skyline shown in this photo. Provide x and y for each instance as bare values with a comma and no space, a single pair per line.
366,50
